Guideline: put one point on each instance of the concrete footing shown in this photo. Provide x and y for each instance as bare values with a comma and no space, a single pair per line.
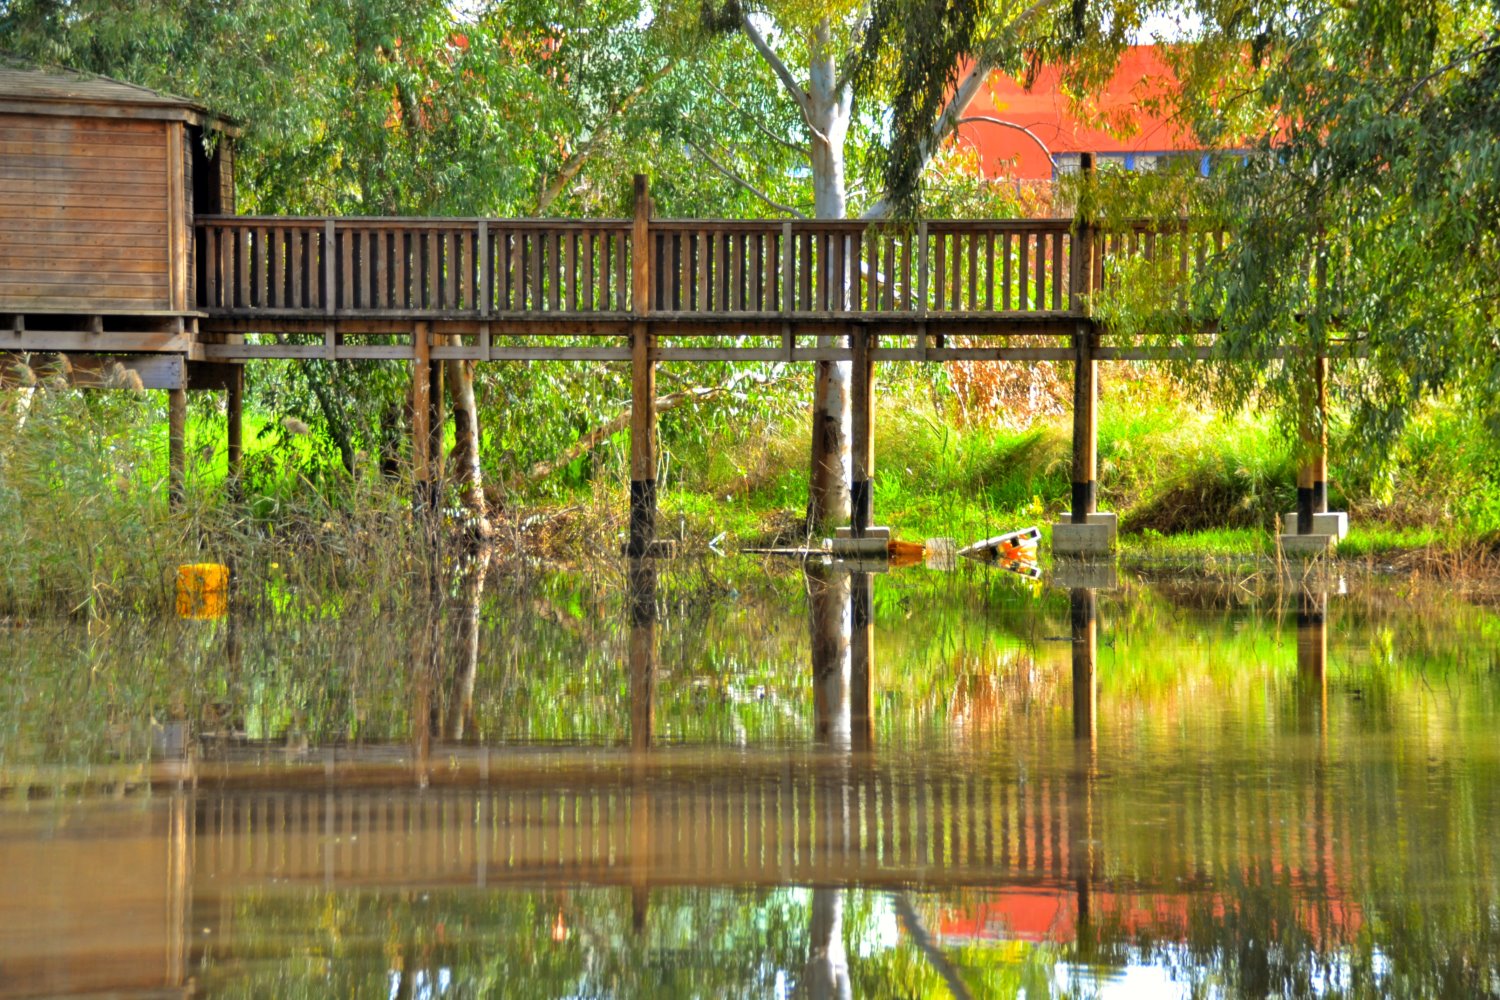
1095,537
1333,522
883,533
858,548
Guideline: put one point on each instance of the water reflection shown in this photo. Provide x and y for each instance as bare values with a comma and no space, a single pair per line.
1188,797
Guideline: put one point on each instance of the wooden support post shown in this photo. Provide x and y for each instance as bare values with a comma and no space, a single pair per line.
1085,367
234,432
642,381
176,446
1312,458
1320,454
1085,422
1084,614
436,424
421,415
862,466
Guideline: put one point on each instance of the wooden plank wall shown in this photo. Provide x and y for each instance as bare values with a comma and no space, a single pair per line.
84,214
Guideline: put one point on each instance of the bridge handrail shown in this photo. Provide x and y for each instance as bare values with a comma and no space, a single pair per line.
699,268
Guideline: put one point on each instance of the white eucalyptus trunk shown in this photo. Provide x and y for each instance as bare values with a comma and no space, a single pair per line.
465,456
830,108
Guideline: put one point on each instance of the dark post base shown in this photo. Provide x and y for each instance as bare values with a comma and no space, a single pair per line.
642,517
860,507
1084,500
1306,505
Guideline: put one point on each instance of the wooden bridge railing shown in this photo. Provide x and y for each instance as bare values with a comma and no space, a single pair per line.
499,268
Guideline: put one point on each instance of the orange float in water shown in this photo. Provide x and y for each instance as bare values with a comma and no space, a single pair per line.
202,591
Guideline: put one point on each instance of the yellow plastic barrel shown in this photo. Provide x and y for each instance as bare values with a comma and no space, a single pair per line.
202,591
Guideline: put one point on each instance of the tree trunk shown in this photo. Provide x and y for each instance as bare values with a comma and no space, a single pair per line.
466,471
830,107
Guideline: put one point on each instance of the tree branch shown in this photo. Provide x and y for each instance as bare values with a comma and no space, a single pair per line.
1411,91
742,182
968,87
575,163
804,102
754,119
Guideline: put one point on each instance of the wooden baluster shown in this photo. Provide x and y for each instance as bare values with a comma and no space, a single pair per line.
1057,270
973,241
243,248
1023,276
955,275
737,271
1005,271
624,253
347,288
210,241
532,258
755,299
989,271
586,279
939,270
1039,299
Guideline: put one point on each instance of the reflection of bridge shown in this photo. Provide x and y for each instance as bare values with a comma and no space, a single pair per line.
174,843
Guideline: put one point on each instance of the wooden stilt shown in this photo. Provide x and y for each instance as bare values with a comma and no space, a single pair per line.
1320,453
642,383
176,446
234,431
1309,450
1084,613
421,416
436,424
861,485
1085,423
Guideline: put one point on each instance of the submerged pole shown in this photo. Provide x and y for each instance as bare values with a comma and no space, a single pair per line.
642,381
642,599
1085,621
862,661
176,446
862,468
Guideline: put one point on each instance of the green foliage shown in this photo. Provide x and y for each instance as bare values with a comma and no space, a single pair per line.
1365,215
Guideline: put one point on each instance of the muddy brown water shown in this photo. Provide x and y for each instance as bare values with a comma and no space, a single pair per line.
787,785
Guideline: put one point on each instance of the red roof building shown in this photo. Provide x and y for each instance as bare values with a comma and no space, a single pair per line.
1128,123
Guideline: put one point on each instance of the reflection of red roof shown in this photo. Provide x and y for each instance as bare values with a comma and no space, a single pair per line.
1036,914
1132,99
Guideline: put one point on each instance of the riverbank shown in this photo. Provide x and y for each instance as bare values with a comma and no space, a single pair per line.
1195,490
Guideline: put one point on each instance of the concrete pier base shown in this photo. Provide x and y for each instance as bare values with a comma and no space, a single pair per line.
873,531
1332,522
1095,537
